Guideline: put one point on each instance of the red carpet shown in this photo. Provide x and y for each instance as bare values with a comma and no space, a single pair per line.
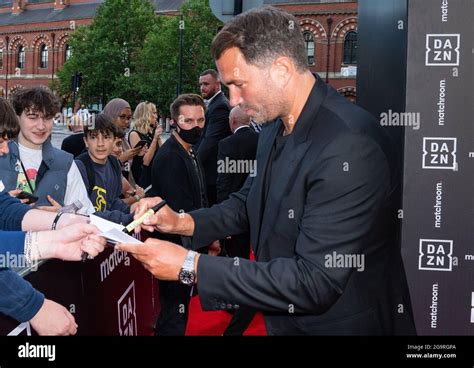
202,323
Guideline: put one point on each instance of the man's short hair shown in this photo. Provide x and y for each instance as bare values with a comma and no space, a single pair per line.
120,134
9,126
102,123
38,99
189,99
211,72
262,35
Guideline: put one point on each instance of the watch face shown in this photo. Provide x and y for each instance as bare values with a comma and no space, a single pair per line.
186,277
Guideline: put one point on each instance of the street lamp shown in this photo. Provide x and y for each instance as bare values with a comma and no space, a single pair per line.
180,70
329,22
53,36
7,39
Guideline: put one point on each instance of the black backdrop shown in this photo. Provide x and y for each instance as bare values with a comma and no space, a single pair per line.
415,56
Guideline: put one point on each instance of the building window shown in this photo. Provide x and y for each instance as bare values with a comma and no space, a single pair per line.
309,42
21,57
350,48
1,58
43,56
67,52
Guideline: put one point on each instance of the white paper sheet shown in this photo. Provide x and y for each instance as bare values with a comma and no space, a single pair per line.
112,231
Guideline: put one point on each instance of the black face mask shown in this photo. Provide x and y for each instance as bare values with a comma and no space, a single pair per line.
190,136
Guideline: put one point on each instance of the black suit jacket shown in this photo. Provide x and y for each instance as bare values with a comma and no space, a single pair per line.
334,199
174,179
239,146
216,128
74,144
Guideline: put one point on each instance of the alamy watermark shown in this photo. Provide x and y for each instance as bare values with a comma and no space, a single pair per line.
78,119
230,166
335,260
37,351
12,260
406,119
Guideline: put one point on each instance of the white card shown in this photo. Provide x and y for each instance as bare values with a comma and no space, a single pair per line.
112,231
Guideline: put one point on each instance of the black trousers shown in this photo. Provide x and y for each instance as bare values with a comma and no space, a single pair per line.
239,322
174,301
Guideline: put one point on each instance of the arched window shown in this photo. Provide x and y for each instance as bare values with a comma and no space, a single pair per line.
309,43
21,57
350,48
67,52
1,58
43,56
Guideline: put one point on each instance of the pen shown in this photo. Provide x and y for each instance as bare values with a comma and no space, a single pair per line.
131,226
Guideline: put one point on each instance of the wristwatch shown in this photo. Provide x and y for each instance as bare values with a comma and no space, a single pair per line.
187,275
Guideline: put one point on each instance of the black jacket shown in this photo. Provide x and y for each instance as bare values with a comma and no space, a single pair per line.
174,179
216,128
239,146
335,198
74,144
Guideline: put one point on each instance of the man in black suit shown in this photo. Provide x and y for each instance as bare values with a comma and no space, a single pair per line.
321,210
74,144
216,128
177,176
235,162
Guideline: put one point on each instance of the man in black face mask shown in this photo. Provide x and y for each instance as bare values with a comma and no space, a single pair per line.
177,177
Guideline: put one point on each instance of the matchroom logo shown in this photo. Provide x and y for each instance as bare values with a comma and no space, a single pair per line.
442,49
436,255
439,153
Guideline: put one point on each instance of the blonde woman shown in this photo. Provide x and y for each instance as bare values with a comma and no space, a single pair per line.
144,130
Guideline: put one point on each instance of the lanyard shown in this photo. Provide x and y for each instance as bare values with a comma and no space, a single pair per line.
27,178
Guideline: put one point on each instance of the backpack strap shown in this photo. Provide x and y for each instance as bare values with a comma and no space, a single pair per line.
116,166
87,161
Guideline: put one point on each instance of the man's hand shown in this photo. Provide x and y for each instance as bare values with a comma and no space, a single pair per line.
55,206
53,319
69,242
165,220
163,259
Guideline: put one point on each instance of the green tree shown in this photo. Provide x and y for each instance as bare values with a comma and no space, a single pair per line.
131,53
157,67
105,50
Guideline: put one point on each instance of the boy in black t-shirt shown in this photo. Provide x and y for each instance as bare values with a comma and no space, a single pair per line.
99,169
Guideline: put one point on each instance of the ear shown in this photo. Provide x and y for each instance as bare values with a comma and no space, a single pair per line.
85,142
282,70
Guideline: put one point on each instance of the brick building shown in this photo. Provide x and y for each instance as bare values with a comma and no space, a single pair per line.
334,56
34,37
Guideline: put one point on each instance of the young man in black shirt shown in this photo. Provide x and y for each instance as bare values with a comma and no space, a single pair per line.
177,176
